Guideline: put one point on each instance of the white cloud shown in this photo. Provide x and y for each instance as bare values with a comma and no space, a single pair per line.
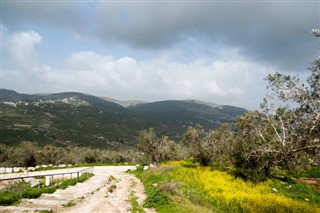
222,82
235,82
22,47
3,35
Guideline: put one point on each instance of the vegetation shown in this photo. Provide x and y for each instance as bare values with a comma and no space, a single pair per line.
285,137
156,149
133,199
255,158
13,192
75,119
28,154
277,138
70,204
245,167
173,187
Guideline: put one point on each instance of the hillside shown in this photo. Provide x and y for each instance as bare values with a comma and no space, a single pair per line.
84,120
181,114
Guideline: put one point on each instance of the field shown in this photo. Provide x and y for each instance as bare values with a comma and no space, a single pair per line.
183,187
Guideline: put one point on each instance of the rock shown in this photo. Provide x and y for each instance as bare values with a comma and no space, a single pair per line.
145,168
31,168
155,184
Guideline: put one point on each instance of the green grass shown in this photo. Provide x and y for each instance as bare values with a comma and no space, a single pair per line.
8,198
185,187
112,188
70,204
312,172
155,198
136,208
74,181
298,191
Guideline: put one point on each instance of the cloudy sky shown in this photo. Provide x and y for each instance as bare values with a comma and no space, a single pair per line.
217,51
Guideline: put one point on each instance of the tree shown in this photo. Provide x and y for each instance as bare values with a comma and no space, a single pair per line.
213,147
24,155
222,144
196,140
157,149
285,136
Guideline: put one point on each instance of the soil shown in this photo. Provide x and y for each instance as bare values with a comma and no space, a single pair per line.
311,182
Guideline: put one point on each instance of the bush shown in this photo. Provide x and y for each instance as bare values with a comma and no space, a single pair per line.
31,193
156,198
8,198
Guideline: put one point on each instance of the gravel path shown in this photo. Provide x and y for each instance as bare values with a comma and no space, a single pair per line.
107,191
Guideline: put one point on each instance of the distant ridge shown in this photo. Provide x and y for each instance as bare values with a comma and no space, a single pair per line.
78,119
125,103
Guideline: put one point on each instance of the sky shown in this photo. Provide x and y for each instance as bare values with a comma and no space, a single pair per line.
215,51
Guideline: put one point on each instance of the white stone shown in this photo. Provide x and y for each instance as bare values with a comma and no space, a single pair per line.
47,180
152,165
145,168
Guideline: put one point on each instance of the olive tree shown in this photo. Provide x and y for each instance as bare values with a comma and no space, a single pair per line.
213,147
285,133
157,149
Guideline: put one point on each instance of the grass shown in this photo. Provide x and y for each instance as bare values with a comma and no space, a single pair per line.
136,208
174,187
313,172
112,188
74,181
14,192
70,204
298,191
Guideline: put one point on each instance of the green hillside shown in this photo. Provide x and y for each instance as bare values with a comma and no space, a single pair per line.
84,120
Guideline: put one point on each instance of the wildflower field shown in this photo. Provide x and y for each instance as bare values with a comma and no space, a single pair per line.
175,187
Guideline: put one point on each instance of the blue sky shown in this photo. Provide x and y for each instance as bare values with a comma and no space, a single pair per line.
216,51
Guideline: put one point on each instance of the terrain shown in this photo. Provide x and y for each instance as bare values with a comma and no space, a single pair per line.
110,189
84,120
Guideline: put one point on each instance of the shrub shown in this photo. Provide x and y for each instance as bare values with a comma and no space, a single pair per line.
31,193
156,198
8,198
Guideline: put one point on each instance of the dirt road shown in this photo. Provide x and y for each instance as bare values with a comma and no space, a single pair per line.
109,190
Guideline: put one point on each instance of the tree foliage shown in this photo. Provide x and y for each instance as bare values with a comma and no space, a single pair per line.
284,135
213,147
157,149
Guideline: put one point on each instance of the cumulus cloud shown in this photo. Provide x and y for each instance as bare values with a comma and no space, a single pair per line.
22,47
267,31
273,32
3,35
234,82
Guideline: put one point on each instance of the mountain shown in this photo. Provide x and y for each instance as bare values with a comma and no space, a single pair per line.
181,114
78,119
